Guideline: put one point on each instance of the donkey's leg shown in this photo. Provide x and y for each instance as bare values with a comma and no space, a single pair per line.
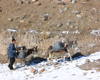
52,54
70,56
25,62
64,58
8,62
47,61
15,63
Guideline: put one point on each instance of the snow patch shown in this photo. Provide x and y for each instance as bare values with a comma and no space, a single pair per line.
11,30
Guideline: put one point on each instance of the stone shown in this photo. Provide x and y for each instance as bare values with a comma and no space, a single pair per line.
59,24
84,73
42,70
45,17
79,16
37,3
60,2
67,0
76,12
34,71
94,9
9,19
87,61
72,26
34,0
69,22
28,2
60,10
19,1
73,1
0,10
66,8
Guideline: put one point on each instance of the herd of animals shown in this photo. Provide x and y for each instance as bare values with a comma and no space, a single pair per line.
32,53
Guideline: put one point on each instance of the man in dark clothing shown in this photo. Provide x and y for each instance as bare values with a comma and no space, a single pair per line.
11,54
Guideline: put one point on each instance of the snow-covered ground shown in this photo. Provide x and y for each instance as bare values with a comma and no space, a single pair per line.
61,71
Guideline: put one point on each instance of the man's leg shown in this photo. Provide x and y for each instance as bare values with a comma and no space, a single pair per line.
12,60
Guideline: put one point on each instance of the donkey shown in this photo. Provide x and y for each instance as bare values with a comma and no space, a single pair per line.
64,52
29,54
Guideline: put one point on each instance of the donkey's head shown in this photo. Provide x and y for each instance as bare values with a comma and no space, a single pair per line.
32,51
75,46
35,49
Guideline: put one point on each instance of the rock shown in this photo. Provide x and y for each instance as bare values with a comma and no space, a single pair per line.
79,16
94,9
67,0
69,22
76,12
72,26
59,24
42,70
66,8
34,0
60,2
9,19
37,3
45,17
84,3
28,2
60,10
77,32
73,1
34,71
87,61
19,1
84,73
0,10
73,74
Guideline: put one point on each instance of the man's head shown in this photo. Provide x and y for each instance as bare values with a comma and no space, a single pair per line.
13,41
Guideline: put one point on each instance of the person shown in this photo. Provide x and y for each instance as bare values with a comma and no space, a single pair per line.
11,54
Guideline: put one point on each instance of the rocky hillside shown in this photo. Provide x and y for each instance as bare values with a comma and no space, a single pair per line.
41,23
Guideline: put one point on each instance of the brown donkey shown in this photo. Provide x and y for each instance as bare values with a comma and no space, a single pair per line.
64,52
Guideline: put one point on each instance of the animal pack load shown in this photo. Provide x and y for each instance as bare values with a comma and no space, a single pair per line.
21,54
57,46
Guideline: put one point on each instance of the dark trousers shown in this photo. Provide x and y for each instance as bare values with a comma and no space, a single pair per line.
12,60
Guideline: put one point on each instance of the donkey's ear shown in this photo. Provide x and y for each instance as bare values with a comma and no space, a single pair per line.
66,44
75,41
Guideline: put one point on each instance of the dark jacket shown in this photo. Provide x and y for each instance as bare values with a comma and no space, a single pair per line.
12,50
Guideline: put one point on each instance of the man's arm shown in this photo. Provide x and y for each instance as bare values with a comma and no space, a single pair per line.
11,49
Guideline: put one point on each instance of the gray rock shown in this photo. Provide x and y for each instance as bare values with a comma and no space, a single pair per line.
76,12
45,17
60,2
59,24
66,8
72,26
9,19
0,10
79,16
69,22
34,0
87,61
73,1
28,2
60,10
